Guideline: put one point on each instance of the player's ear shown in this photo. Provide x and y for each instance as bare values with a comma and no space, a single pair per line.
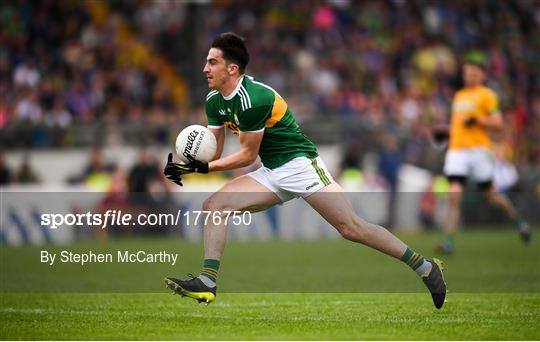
232,68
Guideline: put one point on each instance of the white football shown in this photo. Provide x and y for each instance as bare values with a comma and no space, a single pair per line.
197,141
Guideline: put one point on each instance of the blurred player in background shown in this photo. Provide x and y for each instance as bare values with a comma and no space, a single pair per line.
292,168
475,112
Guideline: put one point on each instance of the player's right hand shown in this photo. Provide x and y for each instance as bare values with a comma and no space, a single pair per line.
468,122
173,171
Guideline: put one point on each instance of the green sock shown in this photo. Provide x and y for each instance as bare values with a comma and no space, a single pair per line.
413,259
210,269
449,239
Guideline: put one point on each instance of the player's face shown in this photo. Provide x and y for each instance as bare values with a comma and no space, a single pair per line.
473,75
216,69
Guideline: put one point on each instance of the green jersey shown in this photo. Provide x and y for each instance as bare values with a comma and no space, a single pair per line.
255,107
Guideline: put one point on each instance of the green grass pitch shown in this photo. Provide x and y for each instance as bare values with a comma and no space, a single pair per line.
342,291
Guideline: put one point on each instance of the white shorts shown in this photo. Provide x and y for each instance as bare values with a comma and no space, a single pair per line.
476,162
299,177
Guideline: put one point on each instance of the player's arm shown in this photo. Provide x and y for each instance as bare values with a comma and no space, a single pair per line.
493,122
219,133
251,134
250,142
252,123
215,123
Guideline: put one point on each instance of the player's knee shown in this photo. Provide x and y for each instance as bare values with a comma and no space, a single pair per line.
345,231
355,235
342,226
215,204
353,230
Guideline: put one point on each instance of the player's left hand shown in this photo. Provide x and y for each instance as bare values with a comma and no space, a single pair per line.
440,137
195,165
173,171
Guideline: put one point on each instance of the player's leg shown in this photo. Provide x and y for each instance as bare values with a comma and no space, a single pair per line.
453,213
333,205
502,202
241,194
483,168
498,200
456,169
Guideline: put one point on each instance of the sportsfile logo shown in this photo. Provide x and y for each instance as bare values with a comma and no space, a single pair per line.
109,218
117,218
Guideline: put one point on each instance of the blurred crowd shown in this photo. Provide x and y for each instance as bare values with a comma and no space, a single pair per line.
393,66
67,63
71,69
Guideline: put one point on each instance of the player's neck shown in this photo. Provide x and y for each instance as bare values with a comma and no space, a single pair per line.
473,86
230,86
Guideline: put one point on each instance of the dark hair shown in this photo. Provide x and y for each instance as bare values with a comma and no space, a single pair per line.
234,49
